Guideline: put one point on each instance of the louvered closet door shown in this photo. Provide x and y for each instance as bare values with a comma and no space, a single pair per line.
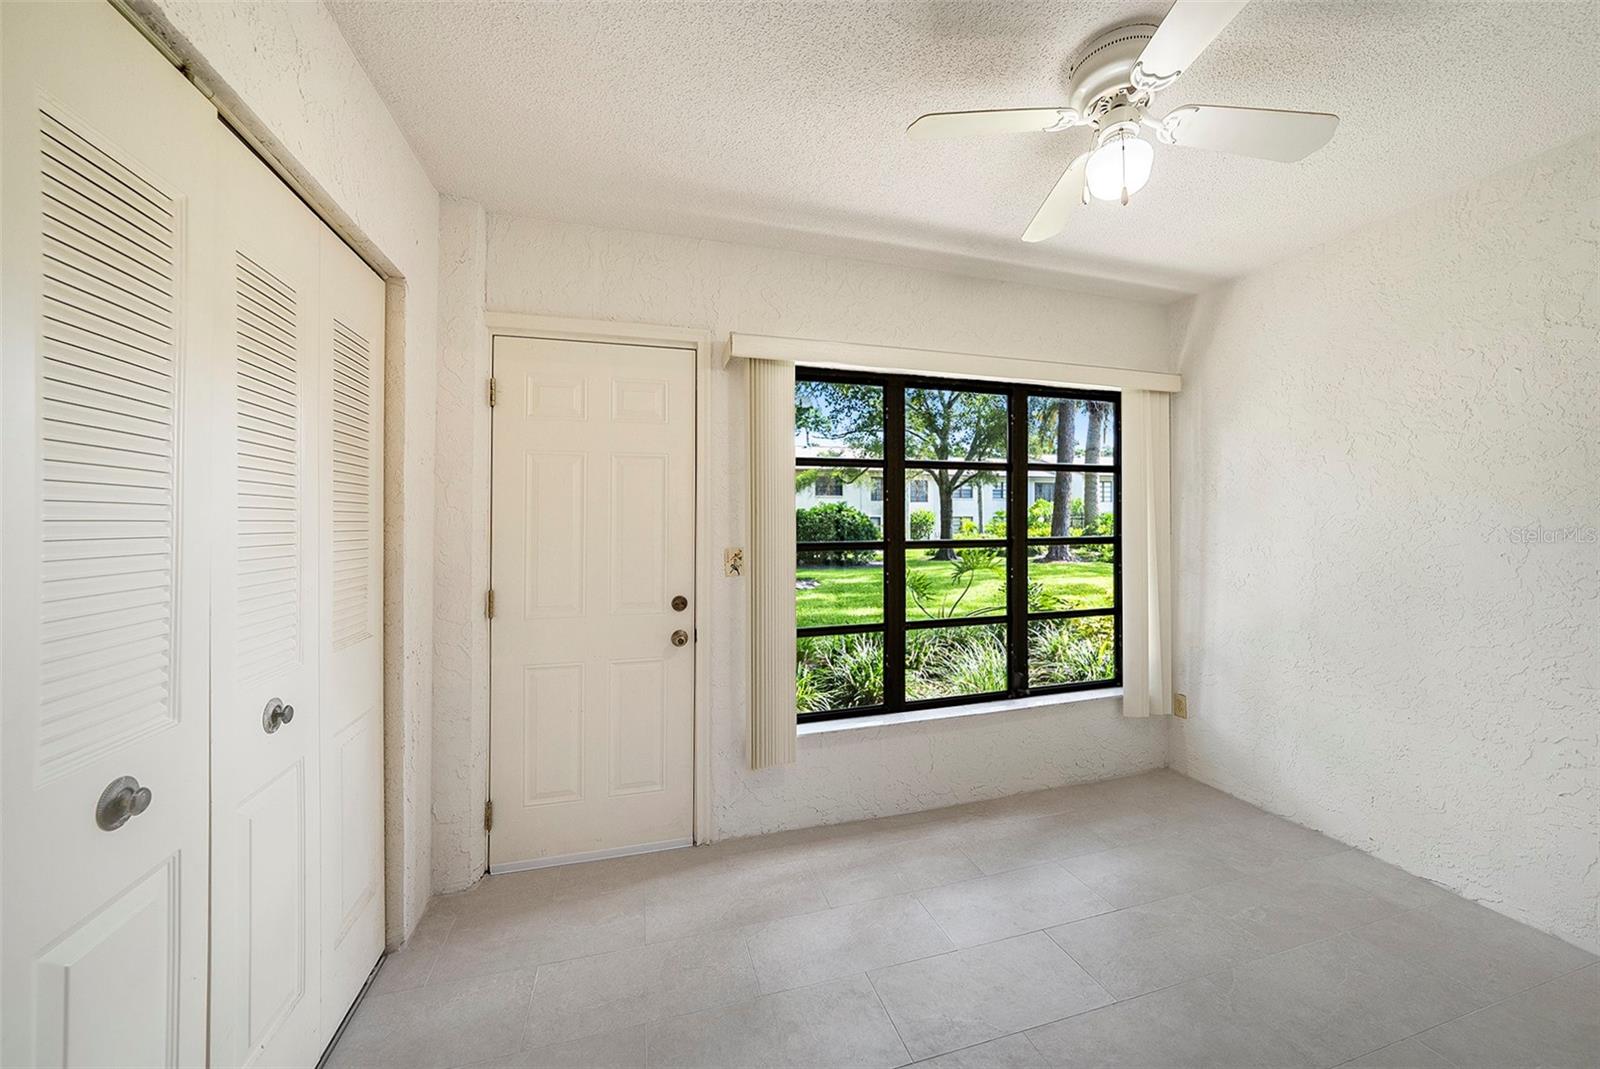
107,370
265,896
351,599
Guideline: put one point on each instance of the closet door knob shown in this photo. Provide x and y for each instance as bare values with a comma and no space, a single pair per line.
121,801
275,715
680,638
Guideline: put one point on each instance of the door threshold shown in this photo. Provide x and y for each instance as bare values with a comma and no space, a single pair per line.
588,855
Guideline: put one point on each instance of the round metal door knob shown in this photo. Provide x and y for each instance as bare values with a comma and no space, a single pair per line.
680,638
121,801
679,603
275,715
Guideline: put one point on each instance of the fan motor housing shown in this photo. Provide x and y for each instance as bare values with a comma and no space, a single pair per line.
1103,71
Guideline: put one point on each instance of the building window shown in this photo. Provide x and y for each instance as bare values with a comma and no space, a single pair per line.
920,607
828,486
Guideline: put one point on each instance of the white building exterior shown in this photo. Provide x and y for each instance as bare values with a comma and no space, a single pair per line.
977,502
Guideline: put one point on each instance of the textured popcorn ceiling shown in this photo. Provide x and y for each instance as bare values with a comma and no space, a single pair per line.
783,124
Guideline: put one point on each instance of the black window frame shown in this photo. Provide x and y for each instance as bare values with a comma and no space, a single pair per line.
1016,469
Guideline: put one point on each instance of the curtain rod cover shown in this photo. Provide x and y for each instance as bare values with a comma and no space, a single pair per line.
936,362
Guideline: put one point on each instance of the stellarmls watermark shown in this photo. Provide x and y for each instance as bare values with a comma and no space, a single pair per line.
1537,534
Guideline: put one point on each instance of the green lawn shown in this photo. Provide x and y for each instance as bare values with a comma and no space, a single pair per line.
854,594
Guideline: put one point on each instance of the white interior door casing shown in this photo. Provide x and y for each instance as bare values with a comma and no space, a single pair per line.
591,703
107,385
265,897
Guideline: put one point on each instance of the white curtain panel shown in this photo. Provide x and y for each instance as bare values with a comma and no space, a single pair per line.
1146,525
771,564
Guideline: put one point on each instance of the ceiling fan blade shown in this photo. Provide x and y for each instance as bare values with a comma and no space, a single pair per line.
1002,121
1064,199
1285,136
1187,31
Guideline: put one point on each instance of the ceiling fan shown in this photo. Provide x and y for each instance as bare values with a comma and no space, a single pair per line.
1111,85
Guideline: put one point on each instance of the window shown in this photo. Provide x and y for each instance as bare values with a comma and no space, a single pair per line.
919,606
829,486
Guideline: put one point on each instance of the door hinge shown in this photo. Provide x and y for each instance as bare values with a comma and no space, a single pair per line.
488,815
488,605
494,391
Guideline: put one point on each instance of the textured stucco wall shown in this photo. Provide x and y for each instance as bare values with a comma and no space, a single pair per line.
590,273
1369,642
287,73
461,549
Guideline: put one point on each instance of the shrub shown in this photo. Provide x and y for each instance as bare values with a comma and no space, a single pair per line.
1039,514
834,522
953,661
838,672
922,524
1071,651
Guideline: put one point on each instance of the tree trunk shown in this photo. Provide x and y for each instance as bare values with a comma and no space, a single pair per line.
947,516
1061,508
1091,455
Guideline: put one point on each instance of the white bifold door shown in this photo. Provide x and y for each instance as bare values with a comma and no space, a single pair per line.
190,535
295,684
592,657
109,220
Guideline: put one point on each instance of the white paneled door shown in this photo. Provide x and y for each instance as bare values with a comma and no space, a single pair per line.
349,720
109,222
296,680
265,650
592,691
191,540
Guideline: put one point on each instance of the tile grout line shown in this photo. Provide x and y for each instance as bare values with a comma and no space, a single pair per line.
1487,1006
910,1058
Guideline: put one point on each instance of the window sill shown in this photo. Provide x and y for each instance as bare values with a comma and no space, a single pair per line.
951,712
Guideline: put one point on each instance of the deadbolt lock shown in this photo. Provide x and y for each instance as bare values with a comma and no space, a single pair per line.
680,638
679,603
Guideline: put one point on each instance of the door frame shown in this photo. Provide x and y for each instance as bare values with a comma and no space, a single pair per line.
560,328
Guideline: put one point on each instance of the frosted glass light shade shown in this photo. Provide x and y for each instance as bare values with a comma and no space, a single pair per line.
1121,163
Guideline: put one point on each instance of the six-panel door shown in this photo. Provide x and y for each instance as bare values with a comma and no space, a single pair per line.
591,722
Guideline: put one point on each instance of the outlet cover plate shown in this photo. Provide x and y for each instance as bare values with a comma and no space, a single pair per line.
1180,706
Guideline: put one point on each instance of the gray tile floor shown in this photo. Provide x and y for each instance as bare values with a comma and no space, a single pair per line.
1148,921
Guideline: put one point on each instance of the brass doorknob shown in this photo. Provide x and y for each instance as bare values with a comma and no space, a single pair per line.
679,603
680,638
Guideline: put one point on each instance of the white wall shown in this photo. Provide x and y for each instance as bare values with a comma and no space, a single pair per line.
589,273
286,72
461,632
1369,642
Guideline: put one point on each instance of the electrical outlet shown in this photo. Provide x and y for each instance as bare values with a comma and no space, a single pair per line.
1180,706
733,562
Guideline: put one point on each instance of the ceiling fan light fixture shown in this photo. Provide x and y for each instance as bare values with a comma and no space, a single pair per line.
1119,167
